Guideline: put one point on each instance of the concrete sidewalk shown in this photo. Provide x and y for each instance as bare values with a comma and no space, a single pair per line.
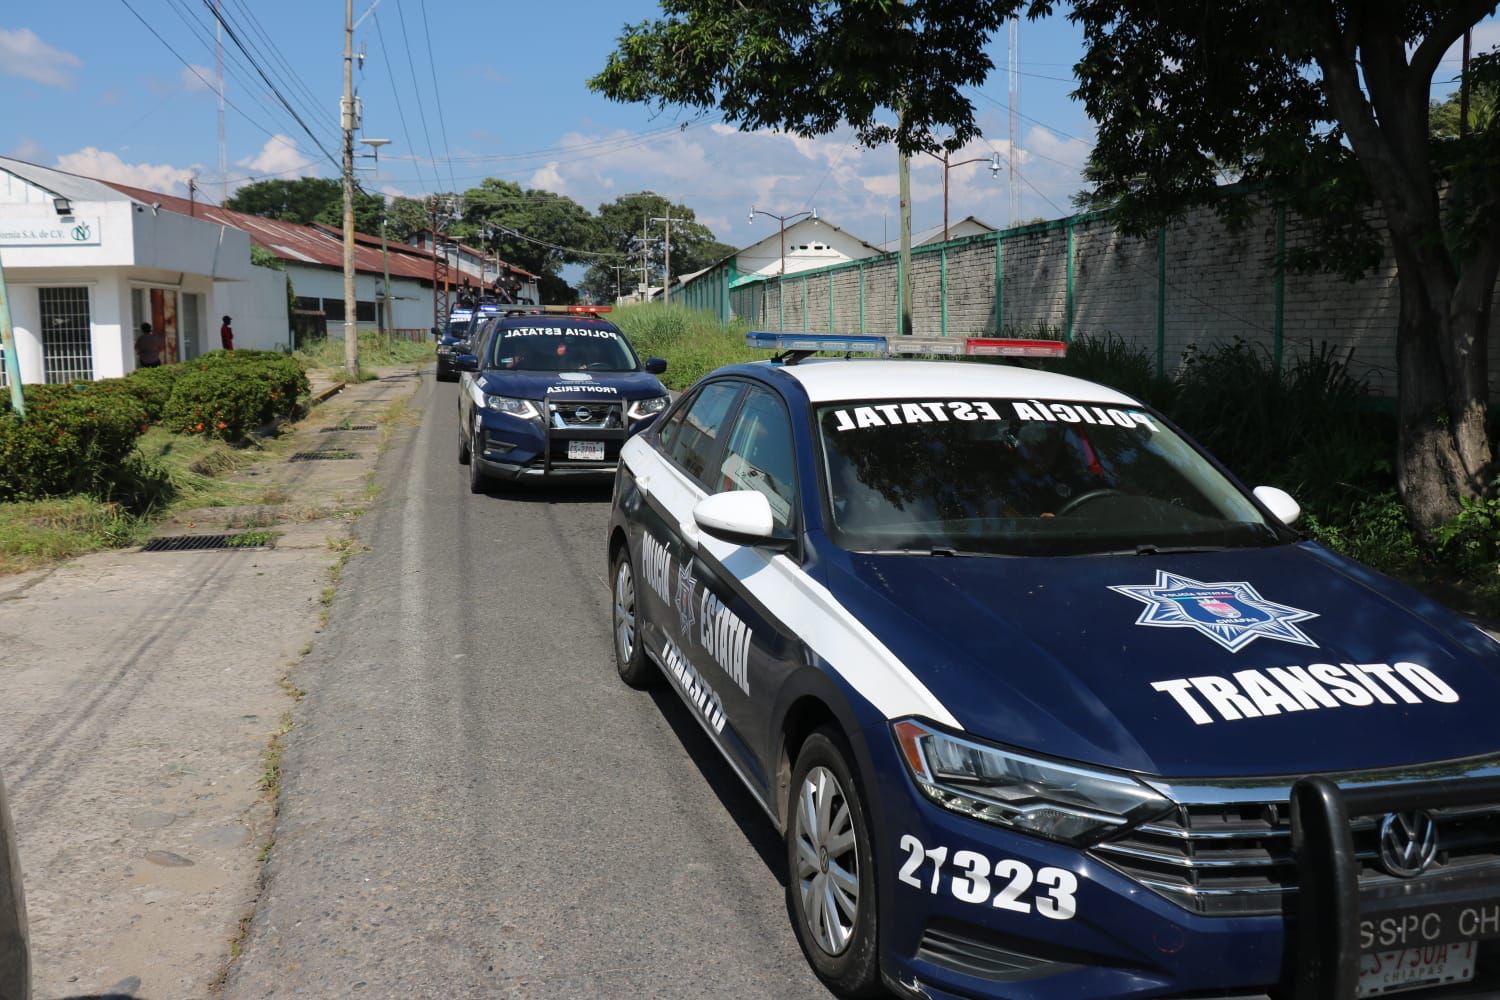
139,693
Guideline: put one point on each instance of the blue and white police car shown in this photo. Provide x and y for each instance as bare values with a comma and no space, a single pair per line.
552,392
454,338
1048,704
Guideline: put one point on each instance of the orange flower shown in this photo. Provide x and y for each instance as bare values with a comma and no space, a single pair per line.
200,427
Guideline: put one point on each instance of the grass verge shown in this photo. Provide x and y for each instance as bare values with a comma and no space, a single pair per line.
375,351
693,342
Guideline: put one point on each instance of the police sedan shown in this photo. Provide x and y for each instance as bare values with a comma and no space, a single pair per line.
1045,702
552,392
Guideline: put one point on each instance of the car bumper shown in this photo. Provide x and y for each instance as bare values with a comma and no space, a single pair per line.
951,937
509,447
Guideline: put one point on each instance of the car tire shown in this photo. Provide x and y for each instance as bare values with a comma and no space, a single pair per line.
837,928
631,661
463,448
479,480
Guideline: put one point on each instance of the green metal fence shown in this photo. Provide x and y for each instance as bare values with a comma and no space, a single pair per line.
1191,284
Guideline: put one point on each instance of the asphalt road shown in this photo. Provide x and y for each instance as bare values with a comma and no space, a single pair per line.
474,805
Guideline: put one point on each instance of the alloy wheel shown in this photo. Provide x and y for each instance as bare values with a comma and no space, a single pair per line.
827,861
624,611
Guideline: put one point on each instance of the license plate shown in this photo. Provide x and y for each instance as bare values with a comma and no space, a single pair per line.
1383,972
586,451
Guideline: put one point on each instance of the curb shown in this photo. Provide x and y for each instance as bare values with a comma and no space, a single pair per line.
327,394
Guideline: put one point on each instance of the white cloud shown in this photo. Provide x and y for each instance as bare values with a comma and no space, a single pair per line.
549,179
94,162
197,79
25,55
278,157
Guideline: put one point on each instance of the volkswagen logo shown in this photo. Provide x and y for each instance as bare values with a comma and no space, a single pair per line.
1408,843
583,414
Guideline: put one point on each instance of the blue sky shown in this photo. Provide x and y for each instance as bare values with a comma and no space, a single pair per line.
88,88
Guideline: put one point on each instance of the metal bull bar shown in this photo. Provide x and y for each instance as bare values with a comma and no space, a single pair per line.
1324,935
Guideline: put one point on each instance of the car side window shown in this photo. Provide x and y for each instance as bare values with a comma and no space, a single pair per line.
702,423
667,429
759,455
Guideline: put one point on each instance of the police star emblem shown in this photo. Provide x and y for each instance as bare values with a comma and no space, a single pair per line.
1231,614
686,584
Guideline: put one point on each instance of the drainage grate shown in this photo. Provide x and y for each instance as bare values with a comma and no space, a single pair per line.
201,543
330,455
351,427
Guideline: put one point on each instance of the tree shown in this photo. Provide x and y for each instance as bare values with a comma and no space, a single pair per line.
1320,104
535,229
405,217
307,200
619,234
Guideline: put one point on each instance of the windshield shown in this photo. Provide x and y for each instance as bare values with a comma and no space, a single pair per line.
563,349
458,329
1023,477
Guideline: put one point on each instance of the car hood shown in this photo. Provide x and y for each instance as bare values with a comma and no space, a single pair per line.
595,386
1051,655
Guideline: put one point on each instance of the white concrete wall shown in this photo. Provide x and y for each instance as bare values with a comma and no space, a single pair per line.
258,307
412,308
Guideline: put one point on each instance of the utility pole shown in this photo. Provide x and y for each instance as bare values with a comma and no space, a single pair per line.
8,345
903,171
219,84
666,281
645,258
993,160
617,269
351,306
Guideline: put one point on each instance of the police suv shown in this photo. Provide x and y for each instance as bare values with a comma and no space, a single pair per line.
463,322
1048,704
551,392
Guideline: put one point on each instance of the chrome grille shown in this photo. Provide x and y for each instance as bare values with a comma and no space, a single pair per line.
1236,859
584,414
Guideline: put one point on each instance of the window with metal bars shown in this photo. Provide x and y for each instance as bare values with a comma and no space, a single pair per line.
67,339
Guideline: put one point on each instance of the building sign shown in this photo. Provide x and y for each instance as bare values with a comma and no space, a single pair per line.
49,233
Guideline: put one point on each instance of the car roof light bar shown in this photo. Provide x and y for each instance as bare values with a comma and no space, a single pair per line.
812,343
792,347
950,346
1014,348
575,310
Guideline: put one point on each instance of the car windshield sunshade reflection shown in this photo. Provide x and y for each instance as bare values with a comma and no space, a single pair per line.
563,349
1024,478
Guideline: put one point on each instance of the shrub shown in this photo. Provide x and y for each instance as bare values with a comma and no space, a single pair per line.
71,441
1113,361
153,387
1471,541
219,401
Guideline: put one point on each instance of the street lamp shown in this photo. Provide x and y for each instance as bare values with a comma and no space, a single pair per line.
993,160
783,219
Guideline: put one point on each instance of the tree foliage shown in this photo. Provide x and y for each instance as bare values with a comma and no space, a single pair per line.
307,200
1320,105
807,66
539,230
619,231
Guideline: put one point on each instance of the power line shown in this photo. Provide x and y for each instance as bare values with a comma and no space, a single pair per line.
824,179
416,89
437,95
625,140
396,93
553,246
259,29
204,34
194,70
235,38
1005,107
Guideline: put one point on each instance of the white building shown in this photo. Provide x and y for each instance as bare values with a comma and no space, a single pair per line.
85,264
809,243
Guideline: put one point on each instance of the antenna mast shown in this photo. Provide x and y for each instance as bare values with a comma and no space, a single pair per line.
1014,79
219,86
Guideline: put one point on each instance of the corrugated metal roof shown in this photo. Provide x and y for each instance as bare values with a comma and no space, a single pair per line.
69,186
295,242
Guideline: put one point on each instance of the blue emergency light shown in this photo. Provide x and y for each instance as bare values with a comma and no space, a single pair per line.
796,345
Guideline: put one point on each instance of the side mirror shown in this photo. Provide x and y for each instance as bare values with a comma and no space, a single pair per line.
1280,503
466,362
656,365
435,333
742,517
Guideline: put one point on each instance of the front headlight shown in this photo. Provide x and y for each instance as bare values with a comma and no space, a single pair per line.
643,408
1065,802
526,409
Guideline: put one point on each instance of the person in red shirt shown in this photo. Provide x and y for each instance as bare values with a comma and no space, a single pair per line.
226,335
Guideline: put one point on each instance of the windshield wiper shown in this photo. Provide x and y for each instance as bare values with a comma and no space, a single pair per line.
1152,549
